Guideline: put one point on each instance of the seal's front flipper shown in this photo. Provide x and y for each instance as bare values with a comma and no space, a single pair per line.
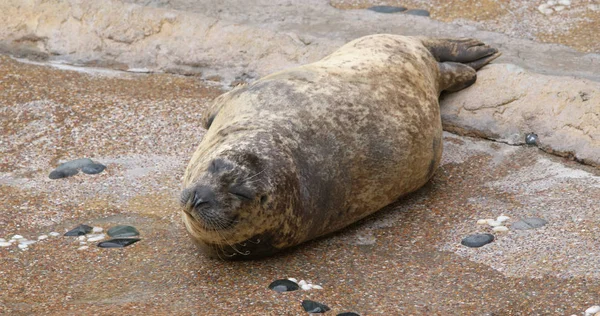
455,76
463,50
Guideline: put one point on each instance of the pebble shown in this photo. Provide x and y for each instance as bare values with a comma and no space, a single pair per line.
95,237
81,238
477,240
15,237
54,234
502,218
529,223
386,9
306,287
494,223
42,237
302,282
64,173
2,239
293,280
559,8
5,244
316,287
97,229
83,248
79,230
314,307
23,247
545,9
564,2
418,12
283,286
592,310
118,242
93,168
26,242
482,222
123,231
500,229
531,138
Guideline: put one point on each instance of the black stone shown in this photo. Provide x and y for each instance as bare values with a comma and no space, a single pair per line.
123,231
118,242
314,307
94,168
386,9
418,12
283,285
79,230
348,314
62,173
477,240
531,139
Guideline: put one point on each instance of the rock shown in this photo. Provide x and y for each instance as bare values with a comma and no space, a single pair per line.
502,218
94,168
545,8
95,237
97,229
564,2
477,240
118,242
5,244
70,168
64,173
26,242
314,307
529,223
42,237
559,8
494,223
306,287
482,222
2,239
386,9
418,12
283,286
22,246
531,139
506,103
17,237
317,287
79,230
83,248
123,231
54,234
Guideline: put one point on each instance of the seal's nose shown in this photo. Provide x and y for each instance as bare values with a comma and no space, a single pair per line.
198,196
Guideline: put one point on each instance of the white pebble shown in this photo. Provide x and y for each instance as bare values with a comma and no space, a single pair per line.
96,237
42,237
22,247
54,234
551,2
12,241
592,310
2,240
26,242
5,244
293,280
545,9
83,248
500,229
318,287
502,218
482,222
81,238
97,229
494,223
306,287
81,243
559,8
564,2
17,237
302,282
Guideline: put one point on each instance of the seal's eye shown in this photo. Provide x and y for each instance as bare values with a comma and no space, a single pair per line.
242,192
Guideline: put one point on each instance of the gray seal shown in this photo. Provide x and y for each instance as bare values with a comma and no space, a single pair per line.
309,150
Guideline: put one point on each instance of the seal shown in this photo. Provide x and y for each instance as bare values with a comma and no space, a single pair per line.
309,150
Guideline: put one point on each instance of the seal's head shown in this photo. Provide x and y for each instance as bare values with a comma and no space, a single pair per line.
225,203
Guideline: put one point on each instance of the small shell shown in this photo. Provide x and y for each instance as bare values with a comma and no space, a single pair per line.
500,229
318,287
494,223
302,282
502,218
482,222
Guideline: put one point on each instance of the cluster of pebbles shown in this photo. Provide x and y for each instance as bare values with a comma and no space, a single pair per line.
552,6
120,237
498,226
292,284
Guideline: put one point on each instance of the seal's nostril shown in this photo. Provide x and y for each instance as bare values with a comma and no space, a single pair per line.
203,195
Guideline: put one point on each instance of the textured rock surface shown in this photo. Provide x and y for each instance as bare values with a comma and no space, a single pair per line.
506,103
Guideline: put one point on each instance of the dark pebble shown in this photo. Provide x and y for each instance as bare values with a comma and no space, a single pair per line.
477,240
418,12
79,230
314,307
118,242
348,314
94,168
123,231
386,9
283,286
531,139
62,173
529,223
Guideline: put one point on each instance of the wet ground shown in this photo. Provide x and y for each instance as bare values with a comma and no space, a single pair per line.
404,260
